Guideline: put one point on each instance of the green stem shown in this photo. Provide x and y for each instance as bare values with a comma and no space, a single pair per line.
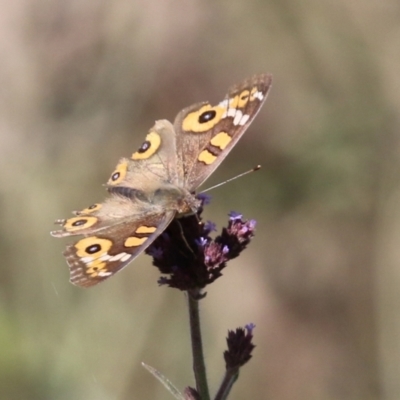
199,366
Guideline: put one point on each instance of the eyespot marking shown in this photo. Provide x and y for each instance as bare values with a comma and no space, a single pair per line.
146,229
207,157
221,140
79,223
204,119
243,98
92,247
148,147
207,116
144,147
134,241
90,209
119,174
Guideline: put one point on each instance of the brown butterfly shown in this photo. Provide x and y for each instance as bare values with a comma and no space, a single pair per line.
157,183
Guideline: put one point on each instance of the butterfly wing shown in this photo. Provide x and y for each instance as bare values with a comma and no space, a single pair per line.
146,189
154,163
130,219
206,133
96,257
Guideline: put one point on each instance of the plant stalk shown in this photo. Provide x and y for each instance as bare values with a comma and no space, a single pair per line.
230,378
199,366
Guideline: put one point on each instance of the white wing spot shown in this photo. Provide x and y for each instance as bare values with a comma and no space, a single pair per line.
244,119
126,257
104,257
224,103
231,112
258,95
117,257
238,117
104,273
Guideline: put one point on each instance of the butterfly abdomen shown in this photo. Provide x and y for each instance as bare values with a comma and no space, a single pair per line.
128,192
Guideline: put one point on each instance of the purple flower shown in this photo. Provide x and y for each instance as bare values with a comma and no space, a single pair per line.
201,241
204,198
155,252
250,327
240,347
187,255
233,215
210,226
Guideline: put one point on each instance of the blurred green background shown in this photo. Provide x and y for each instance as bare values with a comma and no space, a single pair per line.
83,81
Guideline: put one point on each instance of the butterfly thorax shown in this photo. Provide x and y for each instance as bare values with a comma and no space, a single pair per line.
175,198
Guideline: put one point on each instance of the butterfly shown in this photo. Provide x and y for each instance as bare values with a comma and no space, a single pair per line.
157,183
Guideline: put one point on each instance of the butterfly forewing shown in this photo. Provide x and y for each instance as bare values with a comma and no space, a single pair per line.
206,133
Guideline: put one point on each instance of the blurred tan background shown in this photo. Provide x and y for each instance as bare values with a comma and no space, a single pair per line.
83,81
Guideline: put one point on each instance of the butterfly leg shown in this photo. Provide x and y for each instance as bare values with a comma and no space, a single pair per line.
183,237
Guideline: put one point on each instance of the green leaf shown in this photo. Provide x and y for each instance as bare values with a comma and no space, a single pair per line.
166,382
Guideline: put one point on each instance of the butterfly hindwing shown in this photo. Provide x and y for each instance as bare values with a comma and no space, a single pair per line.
115,210
95,258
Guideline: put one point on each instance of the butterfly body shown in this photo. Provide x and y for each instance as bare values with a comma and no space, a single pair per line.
157,183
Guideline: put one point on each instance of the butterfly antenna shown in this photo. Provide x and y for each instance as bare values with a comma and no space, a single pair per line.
254,169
